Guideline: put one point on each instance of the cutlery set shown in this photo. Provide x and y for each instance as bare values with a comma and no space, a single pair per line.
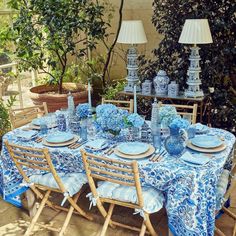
157,155
77,145
110,150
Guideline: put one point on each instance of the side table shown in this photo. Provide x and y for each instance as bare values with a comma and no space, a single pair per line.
145,102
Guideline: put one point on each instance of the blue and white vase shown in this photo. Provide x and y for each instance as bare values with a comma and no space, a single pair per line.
161,82
61,122
147,87
173,89
175,143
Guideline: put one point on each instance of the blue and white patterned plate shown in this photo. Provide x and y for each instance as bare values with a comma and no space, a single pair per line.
133,148
59,137
205,141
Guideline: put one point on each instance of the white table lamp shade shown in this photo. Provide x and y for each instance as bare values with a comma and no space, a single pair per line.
132,32
195,31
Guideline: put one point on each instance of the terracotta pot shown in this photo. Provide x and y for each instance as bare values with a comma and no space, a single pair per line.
56,101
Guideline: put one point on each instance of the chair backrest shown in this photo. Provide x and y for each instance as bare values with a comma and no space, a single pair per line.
111,170
23,116
126,105
186,111
36,159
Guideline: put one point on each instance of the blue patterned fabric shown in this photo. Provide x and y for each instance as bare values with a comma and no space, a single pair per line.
153,199
190,191
72,182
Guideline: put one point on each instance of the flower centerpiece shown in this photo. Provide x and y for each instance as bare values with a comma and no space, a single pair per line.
110,119
180,123
82,111
167,115
134,120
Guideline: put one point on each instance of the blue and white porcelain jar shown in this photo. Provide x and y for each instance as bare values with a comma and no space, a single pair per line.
161,82
147,87
173,89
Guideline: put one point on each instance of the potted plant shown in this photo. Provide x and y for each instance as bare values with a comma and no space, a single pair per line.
47,33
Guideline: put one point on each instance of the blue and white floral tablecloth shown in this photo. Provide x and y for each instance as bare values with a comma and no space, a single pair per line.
190,190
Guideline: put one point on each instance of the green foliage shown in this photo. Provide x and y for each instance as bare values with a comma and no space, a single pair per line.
217,59
46,32
5,124
112,91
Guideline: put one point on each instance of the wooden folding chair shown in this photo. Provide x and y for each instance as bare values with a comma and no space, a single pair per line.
186,111
39,161
114,172
230,190
125,105
23,116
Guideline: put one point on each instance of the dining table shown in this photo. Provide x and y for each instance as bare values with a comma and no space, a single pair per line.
189,190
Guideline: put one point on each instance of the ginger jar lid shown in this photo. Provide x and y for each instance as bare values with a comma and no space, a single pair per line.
161,73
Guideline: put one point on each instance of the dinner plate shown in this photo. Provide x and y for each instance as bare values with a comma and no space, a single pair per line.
59,137
206,150
132,148
35,123
205,141
75,139
146,154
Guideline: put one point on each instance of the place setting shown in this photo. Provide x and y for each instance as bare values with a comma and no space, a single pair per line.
134,150
206,143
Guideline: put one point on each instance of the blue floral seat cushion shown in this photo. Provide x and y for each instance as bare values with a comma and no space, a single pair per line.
72,182
153,199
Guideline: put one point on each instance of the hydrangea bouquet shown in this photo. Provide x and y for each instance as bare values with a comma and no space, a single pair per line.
82,110
168,114
180,123
134,120
111,119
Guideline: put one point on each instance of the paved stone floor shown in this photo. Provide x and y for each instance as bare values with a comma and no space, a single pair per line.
13,221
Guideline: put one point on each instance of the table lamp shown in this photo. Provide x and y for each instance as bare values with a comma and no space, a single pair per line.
132,32
195,31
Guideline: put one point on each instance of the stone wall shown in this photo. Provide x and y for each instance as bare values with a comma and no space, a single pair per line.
133,10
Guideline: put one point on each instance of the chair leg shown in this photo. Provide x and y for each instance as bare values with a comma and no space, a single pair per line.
77,208
143,229
234,232
228,212
35,218
68,216
104,212
149,225
219,232
108,217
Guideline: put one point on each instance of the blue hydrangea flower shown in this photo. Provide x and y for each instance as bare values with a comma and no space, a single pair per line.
180,123
110,118
82,110
135,120
168,114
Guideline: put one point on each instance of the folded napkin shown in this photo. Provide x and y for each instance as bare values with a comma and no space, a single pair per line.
200,128
26,135
96,144
196,159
